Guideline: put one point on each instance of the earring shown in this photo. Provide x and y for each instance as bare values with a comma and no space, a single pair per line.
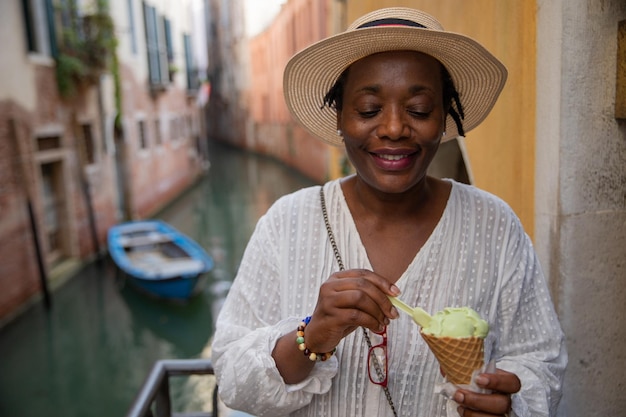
339,132
443,134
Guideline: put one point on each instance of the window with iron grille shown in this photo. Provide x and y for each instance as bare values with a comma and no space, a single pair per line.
90,148
143,140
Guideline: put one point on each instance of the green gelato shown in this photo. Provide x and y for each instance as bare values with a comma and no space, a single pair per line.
457,322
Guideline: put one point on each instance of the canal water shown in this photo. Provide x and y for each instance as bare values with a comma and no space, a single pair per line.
89,355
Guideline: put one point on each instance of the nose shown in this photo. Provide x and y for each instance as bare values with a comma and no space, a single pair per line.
392,125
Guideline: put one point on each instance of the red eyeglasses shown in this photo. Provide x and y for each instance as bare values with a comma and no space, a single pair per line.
377,360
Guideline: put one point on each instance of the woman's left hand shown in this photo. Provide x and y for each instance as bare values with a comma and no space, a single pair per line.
502,385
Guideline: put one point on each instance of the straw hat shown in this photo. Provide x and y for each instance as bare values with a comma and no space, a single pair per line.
477,74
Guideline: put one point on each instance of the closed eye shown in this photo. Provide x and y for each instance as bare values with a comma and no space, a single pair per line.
419,114
420,110
368,114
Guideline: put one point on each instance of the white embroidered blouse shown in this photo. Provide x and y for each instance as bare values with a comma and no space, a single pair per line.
477,256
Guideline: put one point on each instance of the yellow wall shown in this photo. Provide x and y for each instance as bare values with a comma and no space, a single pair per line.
501,150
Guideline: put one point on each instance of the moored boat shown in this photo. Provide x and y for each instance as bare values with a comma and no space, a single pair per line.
159,259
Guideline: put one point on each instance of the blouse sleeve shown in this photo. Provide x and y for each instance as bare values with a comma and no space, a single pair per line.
530,340
248,327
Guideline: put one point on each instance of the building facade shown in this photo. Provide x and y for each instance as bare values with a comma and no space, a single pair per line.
99,123
270,129
226,44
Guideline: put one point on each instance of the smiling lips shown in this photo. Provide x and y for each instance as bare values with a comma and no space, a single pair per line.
391,157
393,162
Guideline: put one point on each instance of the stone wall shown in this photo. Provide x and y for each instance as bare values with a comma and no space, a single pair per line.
18,269
581,195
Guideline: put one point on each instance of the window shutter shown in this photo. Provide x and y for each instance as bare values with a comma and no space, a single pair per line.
152,44
168,39
192,79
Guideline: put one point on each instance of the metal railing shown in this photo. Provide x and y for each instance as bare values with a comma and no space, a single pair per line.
156,388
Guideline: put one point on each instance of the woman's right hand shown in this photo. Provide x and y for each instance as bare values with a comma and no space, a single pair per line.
347,300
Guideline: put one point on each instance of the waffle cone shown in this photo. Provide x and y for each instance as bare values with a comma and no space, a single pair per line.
458,357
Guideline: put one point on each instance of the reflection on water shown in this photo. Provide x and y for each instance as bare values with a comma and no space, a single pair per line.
92,352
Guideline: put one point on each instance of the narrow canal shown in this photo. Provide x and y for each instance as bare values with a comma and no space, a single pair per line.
90,354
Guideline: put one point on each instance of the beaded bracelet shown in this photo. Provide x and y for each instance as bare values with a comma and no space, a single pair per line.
302,346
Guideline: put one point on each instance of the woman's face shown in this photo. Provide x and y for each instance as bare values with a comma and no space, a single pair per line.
392,118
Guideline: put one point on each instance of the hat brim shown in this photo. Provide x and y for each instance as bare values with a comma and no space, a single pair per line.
478,76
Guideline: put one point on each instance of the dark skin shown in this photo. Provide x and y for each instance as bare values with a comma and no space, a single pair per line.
392,118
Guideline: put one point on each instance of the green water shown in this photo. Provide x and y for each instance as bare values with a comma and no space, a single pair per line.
91,353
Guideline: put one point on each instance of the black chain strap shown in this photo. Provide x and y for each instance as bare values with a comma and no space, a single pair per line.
331,238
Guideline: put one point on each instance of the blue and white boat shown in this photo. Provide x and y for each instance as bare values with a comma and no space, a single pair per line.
158,258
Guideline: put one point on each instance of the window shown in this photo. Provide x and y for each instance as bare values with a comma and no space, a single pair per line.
171,67
192,77
190,129
143,141
38,24
157,132
53,197
46,143
167,27
90,156
174,128
156,46
131,25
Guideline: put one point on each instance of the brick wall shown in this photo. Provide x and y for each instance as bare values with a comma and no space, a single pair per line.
19,276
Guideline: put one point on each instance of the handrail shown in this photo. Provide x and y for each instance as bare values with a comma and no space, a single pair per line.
156,386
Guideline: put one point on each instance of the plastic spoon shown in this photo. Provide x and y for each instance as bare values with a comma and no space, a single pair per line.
419,316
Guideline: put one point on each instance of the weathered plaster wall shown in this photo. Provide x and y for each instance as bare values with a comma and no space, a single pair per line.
580,195
17,84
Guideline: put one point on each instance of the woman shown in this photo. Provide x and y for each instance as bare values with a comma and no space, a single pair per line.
389,88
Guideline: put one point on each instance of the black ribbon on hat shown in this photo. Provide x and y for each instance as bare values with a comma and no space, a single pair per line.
391,22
